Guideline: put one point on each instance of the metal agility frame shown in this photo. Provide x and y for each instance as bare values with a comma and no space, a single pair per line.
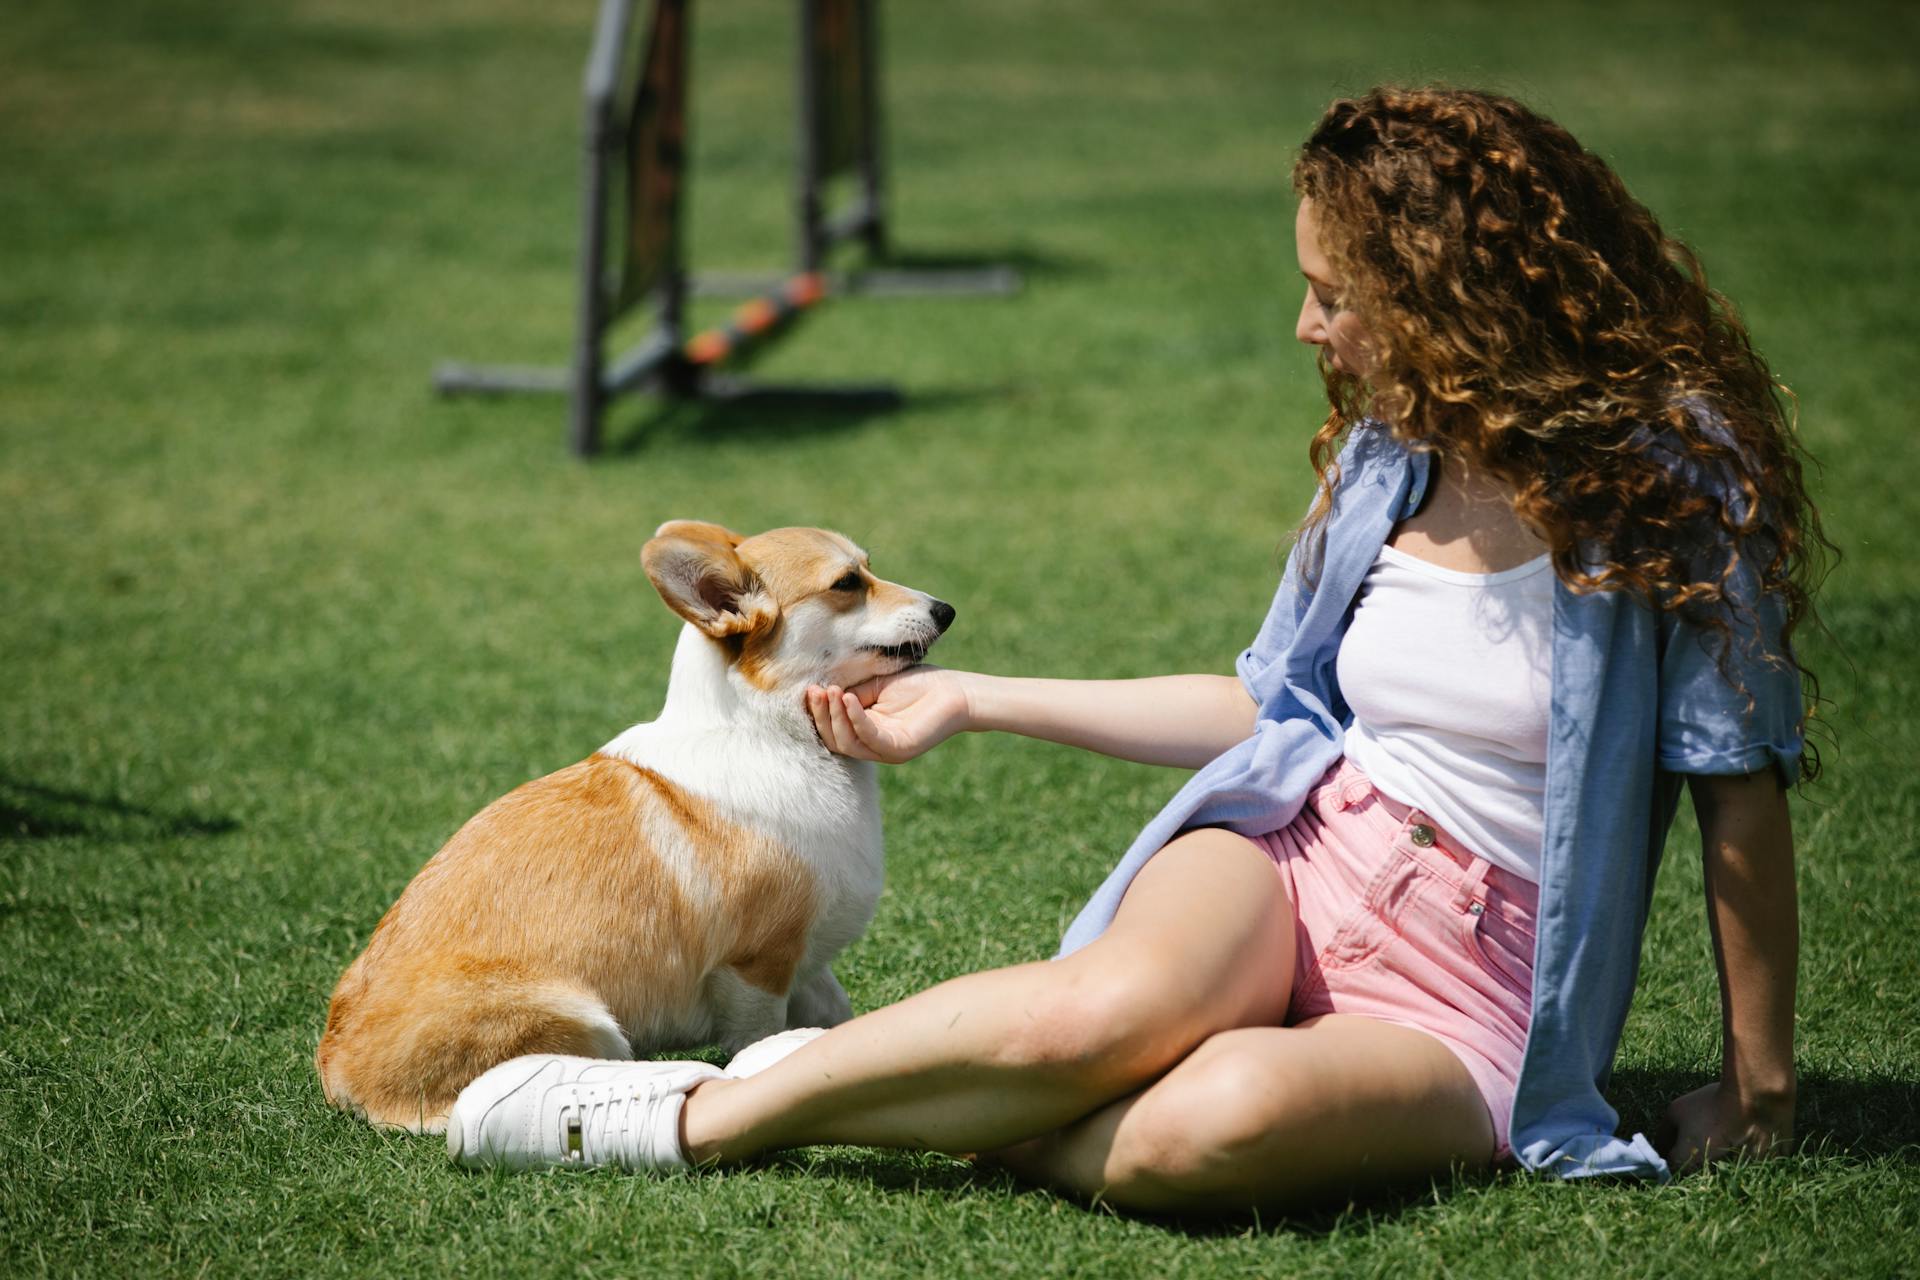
839,115
634,175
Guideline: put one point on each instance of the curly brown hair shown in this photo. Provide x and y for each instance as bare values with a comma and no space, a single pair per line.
1530,318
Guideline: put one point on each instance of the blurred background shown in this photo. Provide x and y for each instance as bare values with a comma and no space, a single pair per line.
274,620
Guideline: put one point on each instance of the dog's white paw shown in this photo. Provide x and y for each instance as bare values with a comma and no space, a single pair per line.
761,1054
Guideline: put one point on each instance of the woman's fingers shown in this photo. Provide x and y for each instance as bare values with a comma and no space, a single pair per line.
820,708
844,740
861,723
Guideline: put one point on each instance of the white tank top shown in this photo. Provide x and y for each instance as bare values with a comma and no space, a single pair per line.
1448,675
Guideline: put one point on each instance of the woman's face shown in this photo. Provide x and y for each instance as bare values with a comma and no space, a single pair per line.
1322,323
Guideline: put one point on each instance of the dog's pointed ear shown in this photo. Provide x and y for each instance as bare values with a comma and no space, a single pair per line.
694,568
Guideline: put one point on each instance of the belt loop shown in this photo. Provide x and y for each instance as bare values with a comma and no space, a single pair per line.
1473,885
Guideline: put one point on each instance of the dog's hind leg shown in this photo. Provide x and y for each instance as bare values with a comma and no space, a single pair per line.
404,1070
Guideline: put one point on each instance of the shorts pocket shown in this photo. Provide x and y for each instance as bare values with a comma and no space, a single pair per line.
1502,950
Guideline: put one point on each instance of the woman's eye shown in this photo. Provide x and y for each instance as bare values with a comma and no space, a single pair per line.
850,581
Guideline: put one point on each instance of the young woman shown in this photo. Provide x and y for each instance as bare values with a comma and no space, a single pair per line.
1392,923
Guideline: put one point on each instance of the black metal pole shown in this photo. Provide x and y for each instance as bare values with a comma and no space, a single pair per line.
872,177
603,69
812,248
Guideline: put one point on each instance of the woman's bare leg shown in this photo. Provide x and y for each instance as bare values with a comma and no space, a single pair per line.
1273,1117
1202,943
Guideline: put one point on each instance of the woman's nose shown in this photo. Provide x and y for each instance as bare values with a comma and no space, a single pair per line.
1309,328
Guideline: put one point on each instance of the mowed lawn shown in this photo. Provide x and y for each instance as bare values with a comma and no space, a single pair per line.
274,621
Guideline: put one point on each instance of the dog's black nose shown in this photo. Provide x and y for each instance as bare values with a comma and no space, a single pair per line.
942,615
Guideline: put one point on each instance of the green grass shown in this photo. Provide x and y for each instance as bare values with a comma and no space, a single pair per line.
273,621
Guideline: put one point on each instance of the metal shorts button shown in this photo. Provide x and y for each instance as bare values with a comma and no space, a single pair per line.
1477,908
1421,834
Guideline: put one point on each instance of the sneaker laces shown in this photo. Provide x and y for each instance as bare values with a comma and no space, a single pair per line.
613,1123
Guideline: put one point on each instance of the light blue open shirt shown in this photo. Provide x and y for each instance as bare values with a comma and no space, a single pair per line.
1637,701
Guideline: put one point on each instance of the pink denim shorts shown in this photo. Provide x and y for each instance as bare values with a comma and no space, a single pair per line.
1396,921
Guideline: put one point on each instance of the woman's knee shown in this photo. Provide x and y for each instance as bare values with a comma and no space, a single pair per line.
1200,1131
1100,1016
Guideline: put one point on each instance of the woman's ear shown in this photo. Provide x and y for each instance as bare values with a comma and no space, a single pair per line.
694,568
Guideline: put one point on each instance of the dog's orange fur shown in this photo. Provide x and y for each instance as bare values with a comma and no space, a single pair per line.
493,952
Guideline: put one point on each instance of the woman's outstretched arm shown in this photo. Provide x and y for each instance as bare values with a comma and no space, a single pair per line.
1182,720
1752,908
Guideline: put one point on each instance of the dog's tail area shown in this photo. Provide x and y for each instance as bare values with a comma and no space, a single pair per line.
399,1056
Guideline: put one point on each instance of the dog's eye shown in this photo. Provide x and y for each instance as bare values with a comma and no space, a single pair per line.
850,581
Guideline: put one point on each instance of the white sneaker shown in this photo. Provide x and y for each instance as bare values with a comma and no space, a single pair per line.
546,1109
761,1054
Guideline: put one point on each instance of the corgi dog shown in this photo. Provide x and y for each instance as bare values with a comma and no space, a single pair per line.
689,883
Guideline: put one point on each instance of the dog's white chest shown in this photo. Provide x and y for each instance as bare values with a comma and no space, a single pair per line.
821,811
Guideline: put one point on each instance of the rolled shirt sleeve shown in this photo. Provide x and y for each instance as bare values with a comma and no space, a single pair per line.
1730,703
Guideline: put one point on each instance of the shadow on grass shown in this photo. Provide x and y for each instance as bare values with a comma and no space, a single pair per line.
30,811
902,1173
1837,1118
1875,1116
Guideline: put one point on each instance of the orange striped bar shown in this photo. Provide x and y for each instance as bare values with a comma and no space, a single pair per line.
755,320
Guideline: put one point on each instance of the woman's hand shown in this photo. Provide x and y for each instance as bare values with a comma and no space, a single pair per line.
1714,1122
891,718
